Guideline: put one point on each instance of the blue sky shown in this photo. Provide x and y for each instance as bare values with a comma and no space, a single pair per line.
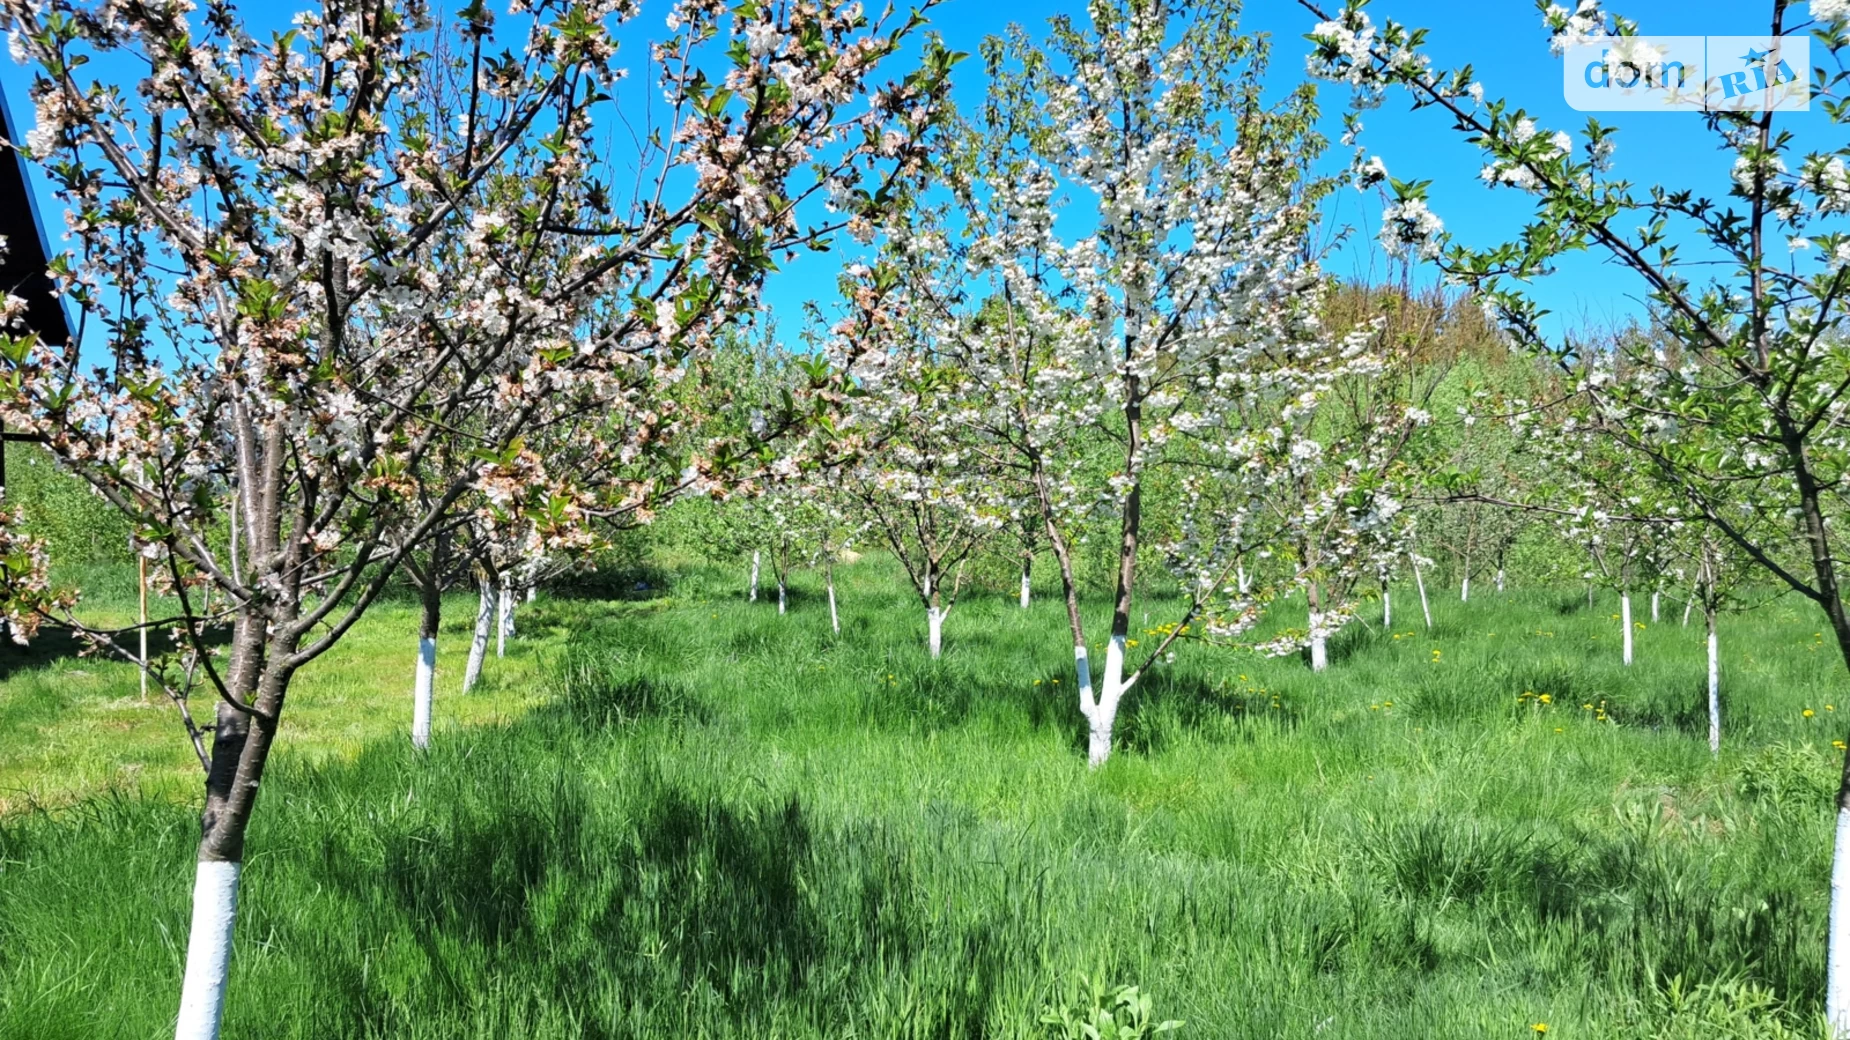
1503,39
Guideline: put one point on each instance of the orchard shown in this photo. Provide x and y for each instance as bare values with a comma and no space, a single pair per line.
787,518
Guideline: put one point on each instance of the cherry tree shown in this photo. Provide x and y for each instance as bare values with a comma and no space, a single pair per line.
1739,408
914,479
259,227
1183,303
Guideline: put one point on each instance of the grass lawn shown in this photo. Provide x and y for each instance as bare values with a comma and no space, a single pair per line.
690,817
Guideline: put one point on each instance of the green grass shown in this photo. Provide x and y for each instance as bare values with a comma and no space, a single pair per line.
691,817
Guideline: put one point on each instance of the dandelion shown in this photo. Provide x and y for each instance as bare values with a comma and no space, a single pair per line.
1037,682
1546,698
1808,713
1540,1027
1838,744
1559,730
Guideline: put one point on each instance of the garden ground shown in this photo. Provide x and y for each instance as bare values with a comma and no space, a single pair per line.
688,816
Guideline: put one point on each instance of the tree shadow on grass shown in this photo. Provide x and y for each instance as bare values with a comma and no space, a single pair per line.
528,886
53,644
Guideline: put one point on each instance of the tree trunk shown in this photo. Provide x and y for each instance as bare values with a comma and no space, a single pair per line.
781,601
208,949
424,689
752,596
1625,622
1688,605
1027,590
240,748
834,617
478,642
1499,580
1387,606
1103,715
1420,583
505,630
934,640
1319,649
1653,606
1715,685
1245,584
1464,590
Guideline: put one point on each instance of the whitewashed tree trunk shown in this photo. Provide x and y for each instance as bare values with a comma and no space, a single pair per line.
1653,606
780,596
935,639
533,592
1103,713
1499,579
1027,589
1688,605
423,692
1715,687
1245,584
208,950
501,630
508,599
1464,590
1425,608
478,641
834,617
1319,647
752,597
1387,607
1625,621
1837,957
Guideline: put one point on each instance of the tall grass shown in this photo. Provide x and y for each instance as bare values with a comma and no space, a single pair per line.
706,820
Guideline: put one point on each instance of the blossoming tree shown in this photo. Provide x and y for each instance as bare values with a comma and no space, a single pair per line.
1740,409
259,225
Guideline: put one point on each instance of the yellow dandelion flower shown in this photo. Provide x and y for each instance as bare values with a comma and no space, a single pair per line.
1838,744
1540,1027
1808,713
1546,698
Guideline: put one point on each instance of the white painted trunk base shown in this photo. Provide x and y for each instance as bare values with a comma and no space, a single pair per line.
780,597
1837,953
422,692
1244,583
1653,608
1688,605
752,597
1715,691
1625,620
934,619
507,613
1464,590
1499,579
533,592
1425,608
1319,647
1387,609
834,617
478,640
1027,590
208,951
1103,714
